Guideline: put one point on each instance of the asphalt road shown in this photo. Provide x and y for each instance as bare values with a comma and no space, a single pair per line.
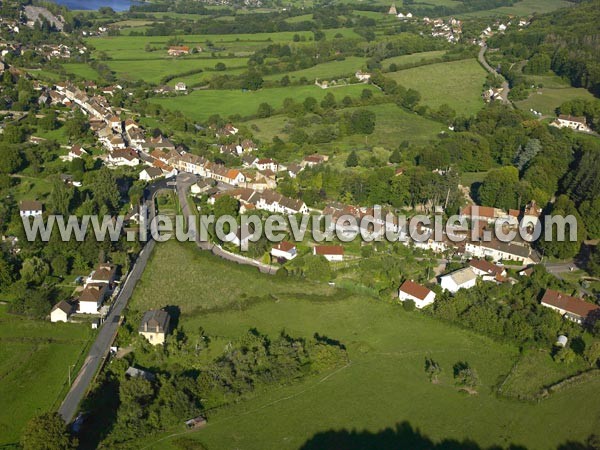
106,335
484,63
184,181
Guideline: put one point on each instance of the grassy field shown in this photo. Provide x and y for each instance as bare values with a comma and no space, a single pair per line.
81,70
535,370
457,83
393,125
413,58
522,8
132,47
325,71
153,70
191,288
200,105
35,357
554,92
384,384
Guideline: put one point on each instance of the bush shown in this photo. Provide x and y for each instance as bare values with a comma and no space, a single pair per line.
408,305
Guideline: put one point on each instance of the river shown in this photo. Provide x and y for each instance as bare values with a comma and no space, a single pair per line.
117,5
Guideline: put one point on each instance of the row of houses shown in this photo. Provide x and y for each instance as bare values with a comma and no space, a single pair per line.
571,308
267,200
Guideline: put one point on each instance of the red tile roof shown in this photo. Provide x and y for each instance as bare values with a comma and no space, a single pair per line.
285,246
329,250
486,266
570,304
414,289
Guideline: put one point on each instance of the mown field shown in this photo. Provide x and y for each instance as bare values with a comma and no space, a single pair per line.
457,83
554,92
199,105
384,384
35,357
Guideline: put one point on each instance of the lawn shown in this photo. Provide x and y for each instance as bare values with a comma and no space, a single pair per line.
384,385
554,92
35,357
457,83
199,105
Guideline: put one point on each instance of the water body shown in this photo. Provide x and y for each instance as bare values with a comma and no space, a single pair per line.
117,5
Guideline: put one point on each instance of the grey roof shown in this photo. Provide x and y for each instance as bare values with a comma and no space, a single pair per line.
157,321
134,372
63,306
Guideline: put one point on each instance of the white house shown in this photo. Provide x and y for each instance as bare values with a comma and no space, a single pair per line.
573,122
103,273
92,297
362,76
487,270
572,308
150,173
417,293
329,252
502,251
200,187
123,157
181,87
266,164
459,279
239,238
61,312
76,152
30,208
285,250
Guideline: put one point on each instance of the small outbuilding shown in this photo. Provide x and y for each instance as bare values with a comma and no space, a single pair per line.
196,422
61,312
561,341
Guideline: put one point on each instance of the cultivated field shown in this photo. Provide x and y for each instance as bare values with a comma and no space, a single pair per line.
457,83
383,386
35,358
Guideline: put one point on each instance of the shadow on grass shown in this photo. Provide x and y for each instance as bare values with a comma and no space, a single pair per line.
404,437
